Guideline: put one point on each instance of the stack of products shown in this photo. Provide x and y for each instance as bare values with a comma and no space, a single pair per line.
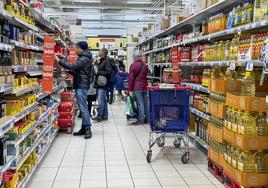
67,110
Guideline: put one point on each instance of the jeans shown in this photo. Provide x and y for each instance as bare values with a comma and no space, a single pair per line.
90,100
103,107
142,103
110,93
81,97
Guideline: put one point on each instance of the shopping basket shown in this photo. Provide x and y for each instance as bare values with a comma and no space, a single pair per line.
169,113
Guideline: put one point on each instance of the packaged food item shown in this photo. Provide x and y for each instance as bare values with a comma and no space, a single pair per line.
248,85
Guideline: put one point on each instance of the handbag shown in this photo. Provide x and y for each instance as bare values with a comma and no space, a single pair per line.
101,81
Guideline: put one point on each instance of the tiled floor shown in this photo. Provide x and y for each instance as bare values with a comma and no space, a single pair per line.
115,157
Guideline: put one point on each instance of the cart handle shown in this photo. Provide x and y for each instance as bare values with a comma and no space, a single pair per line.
176,87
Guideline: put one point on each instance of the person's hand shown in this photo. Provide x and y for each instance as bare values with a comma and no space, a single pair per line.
57,59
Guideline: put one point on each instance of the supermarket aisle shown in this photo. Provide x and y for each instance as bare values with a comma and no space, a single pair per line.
115,157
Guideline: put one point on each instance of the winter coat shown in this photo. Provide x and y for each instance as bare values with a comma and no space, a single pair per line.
81,70
104,69
137,79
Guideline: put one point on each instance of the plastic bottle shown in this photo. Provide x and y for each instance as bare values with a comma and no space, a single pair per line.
259,10
260,166
246,162
261,124
231,119
230,74
235,158
227,117
249,124
231,18
248,85
238,16
247,12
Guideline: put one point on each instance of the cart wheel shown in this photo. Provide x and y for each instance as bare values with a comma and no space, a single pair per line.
177,143
185,158
149,156
161,142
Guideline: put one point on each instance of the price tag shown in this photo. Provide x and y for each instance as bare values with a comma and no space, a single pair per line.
232,65
249,66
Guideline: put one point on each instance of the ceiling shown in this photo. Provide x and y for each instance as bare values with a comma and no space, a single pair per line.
110,15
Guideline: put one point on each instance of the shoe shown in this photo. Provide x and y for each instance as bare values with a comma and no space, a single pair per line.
111,101
98,119
80,115
104,119
137,123
88,133
81,132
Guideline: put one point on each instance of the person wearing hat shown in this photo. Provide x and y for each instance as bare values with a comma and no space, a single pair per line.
81,71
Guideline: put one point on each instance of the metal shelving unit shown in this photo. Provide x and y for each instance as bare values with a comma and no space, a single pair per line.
199,141
196,87
200,114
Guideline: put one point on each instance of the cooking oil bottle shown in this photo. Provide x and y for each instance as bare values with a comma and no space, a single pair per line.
259,10
230,74
261,124
249,124
248,85
246,162
235,158
247,12
239,121
260,162
227,117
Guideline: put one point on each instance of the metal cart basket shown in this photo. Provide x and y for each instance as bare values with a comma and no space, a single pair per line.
169,115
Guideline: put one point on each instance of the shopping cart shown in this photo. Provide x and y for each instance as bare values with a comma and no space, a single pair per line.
169,116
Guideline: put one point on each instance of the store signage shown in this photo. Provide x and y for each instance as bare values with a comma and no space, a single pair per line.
72,55
48,66
107,43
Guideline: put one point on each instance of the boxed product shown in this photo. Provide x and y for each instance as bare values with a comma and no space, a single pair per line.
249,103
245,179
245,142
66,107
65,123
224,86
215,132
197,52
67,115
165,23
184,54
216,109
215,156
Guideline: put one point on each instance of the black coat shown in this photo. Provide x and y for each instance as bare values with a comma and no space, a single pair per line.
81,70
104,69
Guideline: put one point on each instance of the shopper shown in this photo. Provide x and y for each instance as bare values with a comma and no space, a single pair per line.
81,70
120,63
101,84
92,94
137,83
121,78
110,93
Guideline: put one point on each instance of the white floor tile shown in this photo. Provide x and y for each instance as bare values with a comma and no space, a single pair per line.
116,157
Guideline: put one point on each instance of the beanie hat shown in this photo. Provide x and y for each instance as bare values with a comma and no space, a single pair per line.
83,45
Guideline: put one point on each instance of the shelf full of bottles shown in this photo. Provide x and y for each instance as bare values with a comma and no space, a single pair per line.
223,59
28,117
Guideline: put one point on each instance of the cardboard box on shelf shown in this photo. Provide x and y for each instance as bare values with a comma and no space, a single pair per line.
249,103
165,24
215,132
150,27
245,179
216,109
245,142
174,20
215,156
224,86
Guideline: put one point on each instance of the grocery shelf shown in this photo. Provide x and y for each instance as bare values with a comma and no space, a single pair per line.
39,60
153,77
220,63
40,96
6,87
26,111
200,114
6,47
24,68
162,64
197,87
196,18
6,124
8,164
26,179
60,42
16,21
35,73
25,135
44,23
26,46
23,90
199,140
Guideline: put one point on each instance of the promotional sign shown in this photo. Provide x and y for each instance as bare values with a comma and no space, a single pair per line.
48,66
72,55
107,43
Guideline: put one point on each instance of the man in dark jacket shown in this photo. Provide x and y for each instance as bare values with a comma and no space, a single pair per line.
104,70
81,70
137,83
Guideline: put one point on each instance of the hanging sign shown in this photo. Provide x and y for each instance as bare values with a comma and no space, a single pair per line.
107,43
48,65
72,55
